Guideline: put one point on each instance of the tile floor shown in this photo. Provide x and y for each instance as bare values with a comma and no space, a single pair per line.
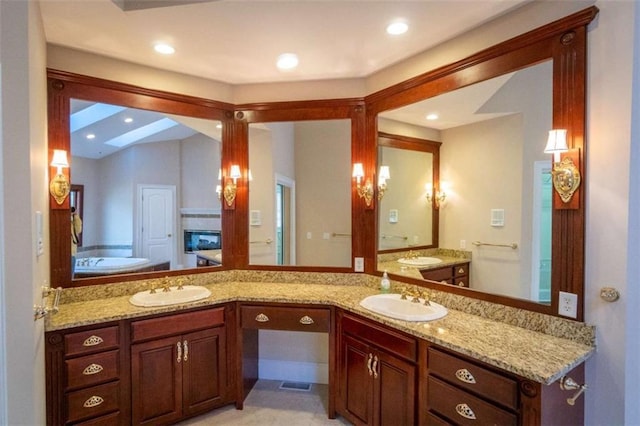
267,405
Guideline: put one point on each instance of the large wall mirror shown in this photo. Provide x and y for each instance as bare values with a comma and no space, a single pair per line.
148,168
496,207
300,193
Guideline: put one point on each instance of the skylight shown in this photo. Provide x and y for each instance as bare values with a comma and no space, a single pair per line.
142,132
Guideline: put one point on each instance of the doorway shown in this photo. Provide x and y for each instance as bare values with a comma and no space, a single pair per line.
156,230
541,233
285,221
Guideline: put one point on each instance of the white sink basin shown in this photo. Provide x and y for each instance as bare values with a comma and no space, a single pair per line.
391,305
420,261
189,293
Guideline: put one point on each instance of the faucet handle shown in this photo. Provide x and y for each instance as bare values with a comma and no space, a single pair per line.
166,285
180,282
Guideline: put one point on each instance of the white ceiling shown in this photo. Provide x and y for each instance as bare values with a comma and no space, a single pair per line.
237,42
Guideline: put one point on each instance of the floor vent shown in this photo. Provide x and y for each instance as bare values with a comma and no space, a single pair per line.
297,386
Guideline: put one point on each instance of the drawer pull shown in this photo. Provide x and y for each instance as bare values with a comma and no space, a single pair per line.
461,284
262,318
94,401
186,351
465,375
92,341
92,369
374,367
179,357
369,361
461,271
465,411
306,320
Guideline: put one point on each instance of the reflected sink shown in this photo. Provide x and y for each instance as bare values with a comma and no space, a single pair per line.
189,293
391,305
419,261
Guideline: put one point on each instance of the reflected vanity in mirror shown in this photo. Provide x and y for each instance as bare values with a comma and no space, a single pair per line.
300,193
148,166
493,192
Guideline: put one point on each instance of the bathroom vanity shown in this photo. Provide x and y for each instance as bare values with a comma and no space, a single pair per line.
109,362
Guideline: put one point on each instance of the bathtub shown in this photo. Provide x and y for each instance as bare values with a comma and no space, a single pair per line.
109,265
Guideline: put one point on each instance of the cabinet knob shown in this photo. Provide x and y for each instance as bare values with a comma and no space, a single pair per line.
92,341
262,318
92,369
94,401
465,411
465,376
306,320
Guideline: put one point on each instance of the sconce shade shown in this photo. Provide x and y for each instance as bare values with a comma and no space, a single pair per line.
384,173
59,158
557,141
235,172
358,170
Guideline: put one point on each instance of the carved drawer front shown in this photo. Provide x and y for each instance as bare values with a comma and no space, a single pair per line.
398,344
176,324
463,408
83,342
285,318
92,369
474,378
93,402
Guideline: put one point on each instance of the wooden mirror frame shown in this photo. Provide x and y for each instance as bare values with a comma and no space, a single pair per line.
565,42
64,86
332,109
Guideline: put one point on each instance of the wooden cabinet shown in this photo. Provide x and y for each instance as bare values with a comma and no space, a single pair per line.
86,383
377,373
460,391
178,366
453,274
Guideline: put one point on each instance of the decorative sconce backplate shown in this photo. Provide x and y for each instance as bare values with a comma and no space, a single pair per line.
59,188
566,179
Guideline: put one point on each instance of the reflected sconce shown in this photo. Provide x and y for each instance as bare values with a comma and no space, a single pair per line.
382,181
231,187
438,199
59,187
364,188
565,174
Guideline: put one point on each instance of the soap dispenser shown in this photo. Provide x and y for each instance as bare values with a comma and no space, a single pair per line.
385,284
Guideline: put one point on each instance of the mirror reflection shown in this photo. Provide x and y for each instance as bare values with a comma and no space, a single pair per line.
495,209
300,193
148,184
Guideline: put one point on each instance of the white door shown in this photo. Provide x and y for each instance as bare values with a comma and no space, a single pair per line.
158,223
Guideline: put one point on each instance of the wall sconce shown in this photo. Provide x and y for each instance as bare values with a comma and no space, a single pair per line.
59,187
365,190
382,181
219,191
231,188
439,198
565,174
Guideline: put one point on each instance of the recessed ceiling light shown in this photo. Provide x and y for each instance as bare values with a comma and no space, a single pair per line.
164,48
397,28
128,120
432,116
91,136
287,61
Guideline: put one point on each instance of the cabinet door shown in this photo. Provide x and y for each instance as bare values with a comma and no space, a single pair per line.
157,381
204,378
394,390
356,380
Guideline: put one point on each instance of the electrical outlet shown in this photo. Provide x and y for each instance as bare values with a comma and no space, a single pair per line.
358,264
568,304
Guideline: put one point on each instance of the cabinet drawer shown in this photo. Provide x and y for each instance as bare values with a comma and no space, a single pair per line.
284,318
93,402
91,369
470,376
461,281
395,343
463,408
442,274
460,270
176,324
91,341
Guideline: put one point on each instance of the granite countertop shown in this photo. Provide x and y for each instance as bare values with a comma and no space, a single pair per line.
394,267
540,357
